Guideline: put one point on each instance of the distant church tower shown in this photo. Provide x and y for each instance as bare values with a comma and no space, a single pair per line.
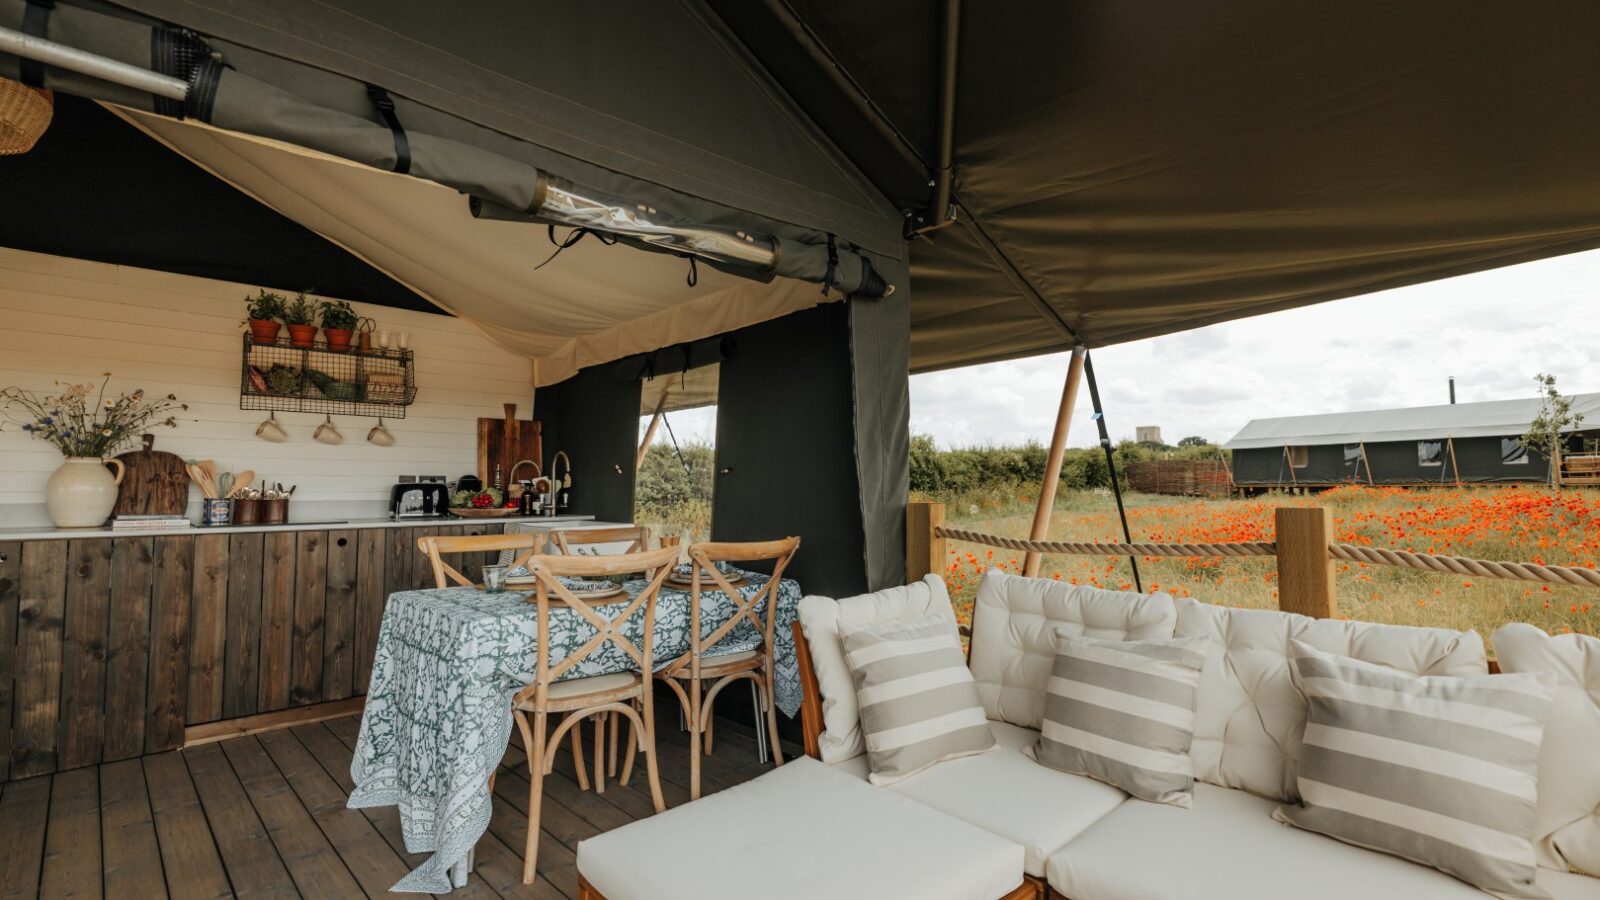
1148,434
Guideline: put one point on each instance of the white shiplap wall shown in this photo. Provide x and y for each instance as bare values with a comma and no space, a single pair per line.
70,320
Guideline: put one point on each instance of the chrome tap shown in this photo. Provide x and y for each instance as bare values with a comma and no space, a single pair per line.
564,483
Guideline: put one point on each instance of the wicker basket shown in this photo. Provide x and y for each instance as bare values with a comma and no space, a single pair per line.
24,115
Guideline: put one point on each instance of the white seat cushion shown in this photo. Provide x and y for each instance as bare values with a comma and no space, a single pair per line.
1568,832
591,684
856,767
1014,624
1228,846
801,831
822,619
1567,886
1007,794
1250,718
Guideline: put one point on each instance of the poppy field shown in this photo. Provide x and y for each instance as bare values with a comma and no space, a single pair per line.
1524,524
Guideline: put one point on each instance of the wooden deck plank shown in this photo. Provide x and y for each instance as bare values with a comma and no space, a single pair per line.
312,862
252,862
188,852
72,862
369,858
132,855
24,809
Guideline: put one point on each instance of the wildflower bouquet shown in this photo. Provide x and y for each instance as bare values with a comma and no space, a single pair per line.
80,428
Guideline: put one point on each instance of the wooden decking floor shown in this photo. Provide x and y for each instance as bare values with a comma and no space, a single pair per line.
265,816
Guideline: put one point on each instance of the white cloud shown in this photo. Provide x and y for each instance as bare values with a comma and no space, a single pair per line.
1493,330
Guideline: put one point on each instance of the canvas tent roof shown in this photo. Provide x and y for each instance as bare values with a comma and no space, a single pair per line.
1120,171
1493,418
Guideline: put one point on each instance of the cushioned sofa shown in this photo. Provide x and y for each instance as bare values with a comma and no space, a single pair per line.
1086,840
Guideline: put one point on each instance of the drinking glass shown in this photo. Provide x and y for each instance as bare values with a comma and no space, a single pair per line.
494,579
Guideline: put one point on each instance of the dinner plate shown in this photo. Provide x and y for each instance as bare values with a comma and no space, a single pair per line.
706,582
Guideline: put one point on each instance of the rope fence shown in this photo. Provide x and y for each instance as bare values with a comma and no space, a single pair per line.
1426,562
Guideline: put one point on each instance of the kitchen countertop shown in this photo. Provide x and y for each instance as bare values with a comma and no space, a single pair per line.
49,533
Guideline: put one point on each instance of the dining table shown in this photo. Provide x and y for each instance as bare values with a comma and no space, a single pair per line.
449,662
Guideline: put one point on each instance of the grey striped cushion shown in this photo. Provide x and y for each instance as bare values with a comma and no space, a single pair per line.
1438,770
1122,712
918,703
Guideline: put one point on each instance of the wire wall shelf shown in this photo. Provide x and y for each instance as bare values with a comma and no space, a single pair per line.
315,379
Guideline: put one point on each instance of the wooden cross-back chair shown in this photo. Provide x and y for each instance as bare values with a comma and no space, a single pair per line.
435,547
564,540
687,676
627,694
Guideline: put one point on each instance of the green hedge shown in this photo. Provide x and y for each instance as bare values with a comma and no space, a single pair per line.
959,470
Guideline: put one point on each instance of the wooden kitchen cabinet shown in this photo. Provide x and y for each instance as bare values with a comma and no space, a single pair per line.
115,647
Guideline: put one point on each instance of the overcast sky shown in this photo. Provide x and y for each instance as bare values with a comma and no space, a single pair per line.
1494,331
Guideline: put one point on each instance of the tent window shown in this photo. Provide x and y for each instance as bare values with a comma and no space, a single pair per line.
1512,452
1299,457
1430,453
1352,454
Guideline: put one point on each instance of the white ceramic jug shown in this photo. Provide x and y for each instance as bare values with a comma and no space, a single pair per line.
82,493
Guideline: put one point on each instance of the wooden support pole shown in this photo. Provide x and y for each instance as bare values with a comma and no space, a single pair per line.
1366,462
1052,465
1306,581
650,430
925,551
1451,443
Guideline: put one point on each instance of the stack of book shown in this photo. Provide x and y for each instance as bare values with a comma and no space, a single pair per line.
149,523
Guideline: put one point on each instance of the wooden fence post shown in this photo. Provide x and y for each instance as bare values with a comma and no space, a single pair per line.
1306,581
925,551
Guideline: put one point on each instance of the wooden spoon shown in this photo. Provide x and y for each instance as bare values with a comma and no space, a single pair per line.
243,481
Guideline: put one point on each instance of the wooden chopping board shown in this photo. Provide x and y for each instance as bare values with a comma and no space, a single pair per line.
506,442
155,484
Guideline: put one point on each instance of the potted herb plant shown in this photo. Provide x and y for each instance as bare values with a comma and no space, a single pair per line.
301,317
82,492
338,324
264,311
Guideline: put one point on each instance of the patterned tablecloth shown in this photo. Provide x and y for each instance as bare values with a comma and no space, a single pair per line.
438,710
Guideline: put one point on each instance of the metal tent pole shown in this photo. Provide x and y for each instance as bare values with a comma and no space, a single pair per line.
1111,465
1052,466
74,60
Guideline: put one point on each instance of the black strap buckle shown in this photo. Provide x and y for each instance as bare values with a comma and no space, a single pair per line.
402,145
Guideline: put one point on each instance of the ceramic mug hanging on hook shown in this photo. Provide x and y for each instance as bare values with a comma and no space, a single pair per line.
326,433
269,430
380,435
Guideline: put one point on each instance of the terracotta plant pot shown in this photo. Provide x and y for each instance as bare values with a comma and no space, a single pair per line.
338,338
302,336
264,331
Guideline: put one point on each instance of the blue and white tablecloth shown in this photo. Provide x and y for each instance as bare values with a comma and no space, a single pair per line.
448,663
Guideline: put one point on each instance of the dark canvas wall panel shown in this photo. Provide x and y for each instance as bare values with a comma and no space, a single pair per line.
786,447
594,417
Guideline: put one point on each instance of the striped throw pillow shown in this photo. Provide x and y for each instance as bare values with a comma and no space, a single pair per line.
1122,712
919,705
1441,771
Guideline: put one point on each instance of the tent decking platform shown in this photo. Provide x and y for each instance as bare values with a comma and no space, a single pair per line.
265,815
